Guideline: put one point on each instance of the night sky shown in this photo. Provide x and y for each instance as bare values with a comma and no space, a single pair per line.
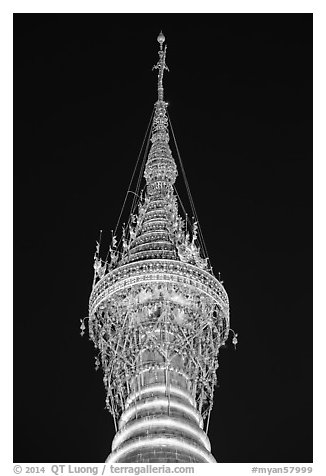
240,101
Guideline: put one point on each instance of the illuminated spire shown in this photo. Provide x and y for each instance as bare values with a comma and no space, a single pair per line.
161,66
157,317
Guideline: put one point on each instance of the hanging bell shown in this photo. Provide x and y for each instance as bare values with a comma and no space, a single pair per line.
235,340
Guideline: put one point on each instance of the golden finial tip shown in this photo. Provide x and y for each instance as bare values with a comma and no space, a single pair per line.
161,38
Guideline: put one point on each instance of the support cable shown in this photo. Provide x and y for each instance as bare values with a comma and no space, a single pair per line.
140,176
185,178
201,237
132,177
142,168
133,174
182,206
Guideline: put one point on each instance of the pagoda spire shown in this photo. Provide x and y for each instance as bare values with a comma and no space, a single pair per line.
161,66
157,317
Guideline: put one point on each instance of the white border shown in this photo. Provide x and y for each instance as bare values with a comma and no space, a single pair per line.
92,6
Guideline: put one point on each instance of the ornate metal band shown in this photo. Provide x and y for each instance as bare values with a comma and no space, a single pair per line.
159,389
170,271
151,423
172,442
154,404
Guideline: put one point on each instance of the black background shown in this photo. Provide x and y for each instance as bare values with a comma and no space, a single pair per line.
240,100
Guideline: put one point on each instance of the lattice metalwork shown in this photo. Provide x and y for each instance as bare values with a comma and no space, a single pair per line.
159,319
